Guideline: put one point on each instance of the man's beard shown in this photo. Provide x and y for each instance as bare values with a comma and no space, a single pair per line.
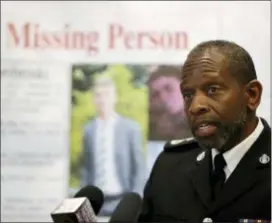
226,136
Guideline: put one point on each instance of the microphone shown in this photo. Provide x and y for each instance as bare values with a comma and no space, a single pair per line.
95,196
128,210
83,208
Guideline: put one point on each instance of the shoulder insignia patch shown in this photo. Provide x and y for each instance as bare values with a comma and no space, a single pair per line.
176,141
179,144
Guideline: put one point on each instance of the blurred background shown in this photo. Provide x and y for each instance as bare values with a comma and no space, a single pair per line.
90,92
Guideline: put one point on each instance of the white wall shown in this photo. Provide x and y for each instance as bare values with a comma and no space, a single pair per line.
248,24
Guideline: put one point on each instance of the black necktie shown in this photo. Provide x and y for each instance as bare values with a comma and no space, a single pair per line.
218,175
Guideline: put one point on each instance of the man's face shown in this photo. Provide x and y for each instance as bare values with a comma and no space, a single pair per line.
165,94
214,101
104,98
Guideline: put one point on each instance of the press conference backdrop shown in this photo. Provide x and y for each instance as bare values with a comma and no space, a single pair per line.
50,51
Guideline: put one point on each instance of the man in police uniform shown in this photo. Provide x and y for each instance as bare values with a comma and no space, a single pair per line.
223,174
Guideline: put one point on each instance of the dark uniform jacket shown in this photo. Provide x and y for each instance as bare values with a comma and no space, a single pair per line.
179,188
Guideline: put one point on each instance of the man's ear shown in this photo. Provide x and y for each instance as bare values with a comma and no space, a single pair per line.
253,94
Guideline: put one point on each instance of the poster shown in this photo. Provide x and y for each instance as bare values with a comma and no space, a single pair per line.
34,125
45,105
145,104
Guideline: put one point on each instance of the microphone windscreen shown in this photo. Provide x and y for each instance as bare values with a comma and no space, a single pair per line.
74,210
128,209
94,195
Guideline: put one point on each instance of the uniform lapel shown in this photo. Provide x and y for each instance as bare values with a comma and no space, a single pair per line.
247,173
200,176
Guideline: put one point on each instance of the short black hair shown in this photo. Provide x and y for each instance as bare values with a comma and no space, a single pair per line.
238,61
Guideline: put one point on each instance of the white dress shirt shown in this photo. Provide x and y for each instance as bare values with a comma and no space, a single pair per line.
111,185
234,155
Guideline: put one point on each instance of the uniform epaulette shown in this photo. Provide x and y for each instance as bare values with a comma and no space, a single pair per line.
179,145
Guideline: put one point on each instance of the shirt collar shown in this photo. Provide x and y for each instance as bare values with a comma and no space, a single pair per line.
234,155
109,120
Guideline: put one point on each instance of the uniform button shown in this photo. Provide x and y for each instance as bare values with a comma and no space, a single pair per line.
207,220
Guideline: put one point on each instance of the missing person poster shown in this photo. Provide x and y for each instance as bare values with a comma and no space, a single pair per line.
34,125
90,92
